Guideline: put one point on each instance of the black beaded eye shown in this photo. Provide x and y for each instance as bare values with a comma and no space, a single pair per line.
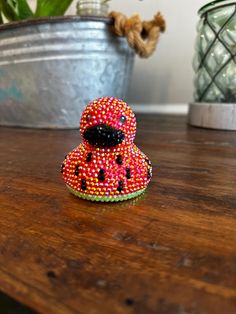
88,118
122,119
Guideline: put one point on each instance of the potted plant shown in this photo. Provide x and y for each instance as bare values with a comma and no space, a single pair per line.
52,65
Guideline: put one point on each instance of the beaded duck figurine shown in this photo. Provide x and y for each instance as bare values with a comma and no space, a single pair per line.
107,166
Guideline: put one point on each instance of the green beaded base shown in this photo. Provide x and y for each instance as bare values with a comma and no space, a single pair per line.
116,198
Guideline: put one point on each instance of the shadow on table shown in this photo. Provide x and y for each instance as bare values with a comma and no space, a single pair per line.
10,306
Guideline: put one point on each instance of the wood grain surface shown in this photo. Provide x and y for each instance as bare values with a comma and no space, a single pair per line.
172,250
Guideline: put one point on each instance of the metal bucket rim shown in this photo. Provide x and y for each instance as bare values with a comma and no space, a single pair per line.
54,20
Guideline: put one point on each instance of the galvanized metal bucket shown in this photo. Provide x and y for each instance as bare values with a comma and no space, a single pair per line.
51,68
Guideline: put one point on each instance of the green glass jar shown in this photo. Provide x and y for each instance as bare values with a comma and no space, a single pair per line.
215,58
92,7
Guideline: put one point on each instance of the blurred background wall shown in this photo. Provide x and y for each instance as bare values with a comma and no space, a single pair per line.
166,77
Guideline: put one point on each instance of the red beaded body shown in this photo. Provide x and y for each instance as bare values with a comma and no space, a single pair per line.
107,166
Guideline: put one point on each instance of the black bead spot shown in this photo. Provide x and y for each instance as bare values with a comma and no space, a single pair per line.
122,119
149,174
148,162
76,170
128,173
83,185
119,160
101,175
66,156
62,167
89,157
88,118
120,186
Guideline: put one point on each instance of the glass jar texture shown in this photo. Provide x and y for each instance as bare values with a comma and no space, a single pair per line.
92,8
215,53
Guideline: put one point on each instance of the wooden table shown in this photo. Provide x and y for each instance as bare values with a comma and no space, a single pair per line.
173,250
